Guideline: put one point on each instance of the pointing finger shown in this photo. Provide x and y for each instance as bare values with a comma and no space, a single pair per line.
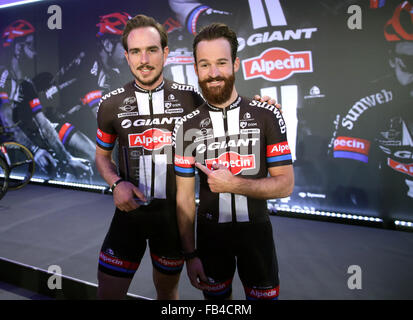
203,168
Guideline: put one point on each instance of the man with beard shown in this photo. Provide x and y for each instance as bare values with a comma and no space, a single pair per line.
141,116
21,107
241,147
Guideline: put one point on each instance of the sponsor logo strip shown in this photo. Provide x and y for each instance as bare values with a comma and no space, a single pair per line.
150,139
65,131
105,139
4,97
278,152
218,288
92,98
262,294
117,264
184,164
35,105
406,168
234,161
168,264
351,148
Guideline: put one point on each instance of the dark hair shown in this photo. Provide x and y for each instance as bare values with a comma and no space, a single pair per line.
216,31
141,21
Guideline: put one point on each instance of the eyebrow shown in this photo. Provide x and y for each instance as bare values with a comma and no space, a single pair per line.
147,48
219,60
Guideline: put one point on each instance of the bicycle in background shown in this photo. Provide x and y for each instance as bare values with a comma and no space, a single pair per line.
16,165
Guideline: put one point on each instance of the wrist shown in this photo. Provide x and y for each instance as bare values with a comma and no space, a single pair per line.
114,185
190,255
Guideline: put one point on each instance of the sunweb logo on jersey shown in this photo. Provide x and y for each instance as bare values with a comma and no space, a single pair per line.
150,139
276,64
233,161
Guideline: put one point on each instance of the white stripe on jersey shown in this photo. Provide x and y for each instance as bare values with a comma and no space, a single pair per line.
289,96
145,175
241,208
157,102
225,208
217,124
233,121
160,176
142,100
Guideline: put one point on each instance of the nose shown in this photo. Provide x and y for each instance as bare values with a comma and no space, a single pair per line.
144,57
213,71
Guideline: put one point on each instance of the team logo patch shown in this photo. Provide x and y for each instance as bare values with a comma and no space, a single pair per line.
150,139
276,64
233,161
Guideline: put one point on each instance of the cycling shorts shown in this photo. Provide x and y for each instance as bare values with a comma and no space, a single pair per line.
126,240
223,247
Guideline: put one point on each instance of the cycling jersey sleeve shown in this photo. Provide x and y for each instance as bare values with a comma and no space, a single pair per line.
28,95
184,160
278,151
106,135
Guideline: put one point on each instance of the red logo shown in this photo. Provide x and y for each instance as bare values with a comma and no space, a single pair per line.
278,149
276,64
352,144
233,161
151,139
406,168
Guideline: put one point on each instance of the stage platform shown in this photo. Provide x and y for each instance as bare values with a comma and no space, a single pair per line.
41,226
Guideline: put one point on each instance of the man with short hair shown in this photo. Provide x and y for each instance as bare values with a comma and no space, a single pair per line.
240,146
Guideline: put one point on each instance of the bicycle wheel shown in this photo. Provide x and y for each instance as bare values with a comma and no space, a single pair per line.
21,164
4,177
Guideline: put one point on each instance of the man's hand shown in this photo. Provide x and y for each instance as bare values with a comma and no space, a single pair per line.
43,158
79,167
196,273
220,179
268,100
124,194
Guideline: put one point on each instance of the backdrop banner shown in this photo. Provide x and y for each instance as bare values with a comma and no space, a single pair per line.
342,71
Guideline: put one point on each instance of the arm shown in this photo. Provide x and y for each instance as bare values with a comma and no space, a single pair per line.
123,194
51,137
185,198
279,184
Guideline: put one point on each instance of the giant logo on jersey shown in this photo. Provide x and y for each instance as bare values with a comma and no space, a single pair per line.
276,64
150,139
234,161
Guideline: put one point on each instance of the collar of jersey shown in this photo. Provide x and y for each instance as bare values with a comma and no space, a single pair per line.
158,88
233,105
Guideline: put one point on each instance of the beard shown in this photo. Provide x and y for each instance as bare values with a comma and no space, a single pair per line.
148,82
217,95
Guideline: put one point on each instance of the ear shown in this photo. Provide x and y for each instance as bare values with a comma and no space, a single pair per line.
165,53
196,69
126,56
236,64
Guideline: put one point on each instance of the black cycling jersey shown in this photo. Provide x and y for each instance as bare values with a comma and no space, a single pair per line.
143,121
248,137
373,145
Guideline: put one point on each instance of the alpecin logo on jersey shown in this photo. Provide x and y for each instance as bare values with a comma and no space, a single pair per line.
406,168
233,161
276,64
150,139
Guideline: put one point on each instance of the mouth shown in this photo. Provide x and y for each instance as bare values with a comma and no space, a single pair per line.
215,82
145,70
